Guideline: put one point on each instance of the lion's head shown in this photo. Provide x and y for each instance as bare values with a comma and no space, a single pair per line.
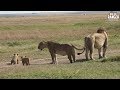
41,45
100,30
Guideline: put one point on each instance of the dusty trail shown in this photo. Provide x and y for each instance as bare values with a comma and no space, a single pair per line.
61,60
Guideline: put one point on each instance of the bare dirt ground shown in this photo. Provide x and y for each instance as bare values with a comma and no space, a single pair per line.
61,60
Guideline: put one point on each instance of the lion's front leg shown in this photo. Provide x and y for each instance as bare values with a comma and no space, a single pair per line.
17,61
53,58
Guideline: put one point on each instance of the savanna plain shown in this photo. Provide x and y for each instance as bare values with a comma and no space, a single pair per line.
23,34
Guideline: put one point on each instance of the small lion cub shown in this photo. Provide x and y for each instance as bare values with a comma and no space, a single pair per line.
25,60
14,59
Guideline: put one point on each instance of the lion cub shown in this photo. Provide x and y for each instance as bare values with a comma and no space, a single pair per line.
14,59
25,60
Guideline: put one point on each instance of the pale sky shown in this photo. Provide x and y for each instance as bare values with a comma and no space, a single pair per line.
14,12
50,12
18,12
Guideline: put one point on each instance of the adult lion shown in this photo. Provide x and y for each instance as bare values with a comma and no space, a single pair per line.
96,40
61,49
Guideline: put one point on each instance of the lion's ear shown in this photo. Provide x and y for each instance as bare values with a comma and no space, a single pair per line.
43,41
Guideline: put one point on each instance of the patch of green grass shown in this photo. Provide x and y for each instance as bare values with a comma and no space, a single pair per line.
114,25
90,23
35,26
112,59
12,44
93,69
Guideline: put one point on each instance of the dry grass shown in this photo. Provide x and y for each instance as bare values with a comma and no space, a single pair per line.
22,35
49,19
44,27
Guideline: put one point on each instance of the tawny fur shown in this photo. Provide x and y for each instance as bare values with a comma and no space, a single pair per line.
25,60
15,59
98,40
61,49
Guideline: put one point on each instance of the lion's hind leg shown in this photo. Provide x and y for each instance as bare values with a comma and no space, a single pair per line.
12,62
28,62
73,56
99,52
89,45
91,55
86,53
69,57
104,50
91,48
23,63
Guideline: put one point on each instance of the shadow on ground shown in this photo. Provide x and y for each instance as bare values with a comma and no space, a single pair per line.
81,60
8,63
40,63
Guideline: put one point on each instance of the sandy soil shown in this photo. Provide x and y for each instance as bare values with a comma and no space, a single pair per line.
61,60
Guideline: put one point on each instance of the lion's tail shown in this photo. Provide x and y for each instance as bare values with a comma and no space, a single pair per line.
82,51
79,49
76,48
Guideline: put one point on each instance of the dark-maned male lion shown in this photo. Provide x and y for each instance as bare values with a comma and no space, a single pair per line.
61,49
96,40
